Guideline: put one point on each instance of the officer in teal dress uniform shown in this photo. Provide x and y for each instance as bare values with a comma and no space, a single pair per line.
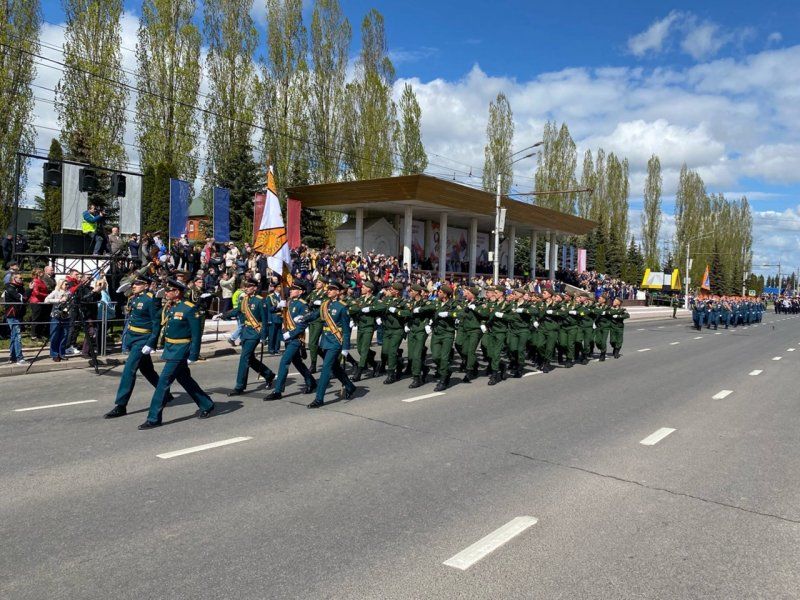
144,325
182,336
254,318
293,343
274,320
335,342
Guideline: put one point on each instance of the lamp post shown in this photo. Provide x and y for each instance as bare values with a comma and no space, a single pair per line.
497,209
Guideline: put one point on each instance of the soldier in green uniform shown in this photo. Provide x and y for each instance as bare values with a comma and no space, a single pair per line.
144,326
618,316
568,333
495,315
335,342
393,325
586,326
417,313
182,337
603,323
293,343
469,332
255,327
315,300
535,336
443,328
364,311
549,325
518,328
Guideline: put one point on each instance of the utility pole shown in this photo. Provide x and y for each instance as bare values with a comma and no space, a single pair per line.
496,261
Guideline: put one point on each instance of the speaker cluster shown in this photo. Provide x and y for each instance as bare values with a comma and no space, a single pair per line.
87,179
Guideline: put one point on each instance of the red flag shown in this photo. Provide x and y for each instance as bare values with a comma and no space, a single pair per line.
258,210
293,222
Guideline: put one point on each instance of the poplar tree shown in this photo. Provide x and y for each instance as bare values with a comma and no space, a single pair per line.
90,97
600,197
168,73
330,43
408,136
588,182
371,113
232,39
556,169
19,35
651,215
497,152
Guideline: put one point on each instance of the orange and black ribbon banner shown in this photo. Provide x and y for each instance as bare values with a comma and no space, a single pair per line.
329,323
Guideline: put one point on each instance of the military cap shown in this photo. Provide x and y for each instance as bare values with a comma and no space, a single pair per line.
476,291
140,279
447,289
417,288
174,284
250,282
369,285
397,286
298,284
337,285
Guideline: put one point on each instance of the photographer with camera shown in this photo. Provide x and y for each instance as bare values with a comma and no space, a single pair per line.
94,226
59,321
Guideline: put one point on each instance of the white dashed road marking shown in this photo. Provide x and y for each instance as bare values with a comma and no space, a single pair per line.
423,397
534,373
53,405
656,436
469,556
175,453
777,357
674,343
699,337
722,394
790,349
644,350
756,372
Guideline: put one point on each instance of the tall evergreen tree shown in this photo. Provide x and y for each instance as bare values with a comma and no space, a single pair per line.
168,72
651,215
19,34
371,113
51,195
232,39
408,136
497,152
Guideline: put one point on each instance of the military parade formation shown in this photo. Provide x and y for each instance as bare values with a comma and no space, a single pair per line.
728,311
505,328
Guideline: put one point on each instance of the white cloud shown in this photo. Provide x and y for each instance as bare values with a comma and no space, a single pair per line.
779,163
703,41
654,37
774,38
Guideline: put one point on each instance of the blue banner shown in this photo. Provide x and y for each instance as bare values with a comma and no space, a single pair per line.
178,207
222,214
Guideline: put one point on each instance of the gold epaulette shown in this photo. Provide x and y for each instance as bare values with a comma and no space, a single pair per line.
189,304
149,294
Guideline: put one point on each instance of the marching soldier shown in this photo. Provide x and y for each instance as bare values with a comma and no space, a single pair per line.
495,316
144,326
618,316
548,326
364,313
293,343
182,336
416,314
393,332
568,333
254,317
603,322
469,333
586,327
274,319
517,336
445,312
315,300
334,343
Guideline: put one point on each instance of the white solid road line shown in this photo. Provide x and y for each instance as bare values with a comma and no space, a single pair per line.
532,373
469,556
423,397
756,372
717,333
656,436
674,343
699,337
235,440
722,394
644,350
53,405
777,357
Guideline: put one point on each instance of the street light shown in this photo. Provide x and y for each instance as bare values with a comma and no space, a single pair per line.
497,211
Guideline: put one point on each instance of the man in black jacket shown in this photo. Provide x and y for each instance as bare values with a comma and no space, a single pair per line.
14,308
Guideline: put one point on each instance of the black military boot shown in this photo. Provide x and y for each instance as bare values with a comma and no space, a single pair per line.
117,411
603,356
273,396
502,375
425,370
468,377
443,383
415,383
569,364
616,352
463,367
494,379
392,377
357,374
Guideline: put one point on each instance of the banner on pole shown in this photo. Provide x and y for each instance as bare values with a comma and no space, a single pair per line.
293,208
259,200
581,260
222,214
178,207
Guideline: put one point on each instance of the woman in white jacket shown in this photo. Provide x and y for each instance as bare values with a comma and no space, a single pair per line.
59,321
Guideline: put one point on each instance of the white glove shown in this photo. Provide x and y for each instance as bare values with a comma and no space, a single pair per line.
352,324
392,309
594,326
317,302
345,352
471,307
428,329
282,304
206,295
536,324
573,312
549,311
519,310
602,313
379,321
406,328
365,309
287,335
615,316
299,318
443,313
146,349
216,317
416,310
483,328
499,315
190,362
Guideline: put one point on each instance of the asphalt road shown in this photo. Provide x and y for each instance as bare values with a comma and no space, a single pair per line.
369,498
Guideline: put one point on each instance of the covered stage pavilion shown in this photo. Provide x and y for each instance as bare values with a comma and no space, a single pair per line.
403,200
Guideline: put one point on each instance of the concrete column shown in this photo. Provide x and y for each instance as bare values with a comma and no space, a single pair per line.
407,238
430,246
534,241
398,251
473,248
359,230
512,243
553,256
443,245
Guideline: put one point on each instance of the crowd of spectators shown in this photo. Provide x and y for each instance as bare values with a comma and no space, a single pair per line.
598,284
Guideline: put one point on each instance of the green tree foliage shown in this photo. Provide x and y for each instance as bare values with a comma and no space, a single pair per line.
651,215
497,152
556,169
370,111
239,172
155,197
51,195
634,263
588,182
168,72
408,136
19,34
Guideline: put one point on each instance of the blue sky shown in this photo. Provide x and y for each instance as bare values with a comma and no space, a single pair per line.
713,84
